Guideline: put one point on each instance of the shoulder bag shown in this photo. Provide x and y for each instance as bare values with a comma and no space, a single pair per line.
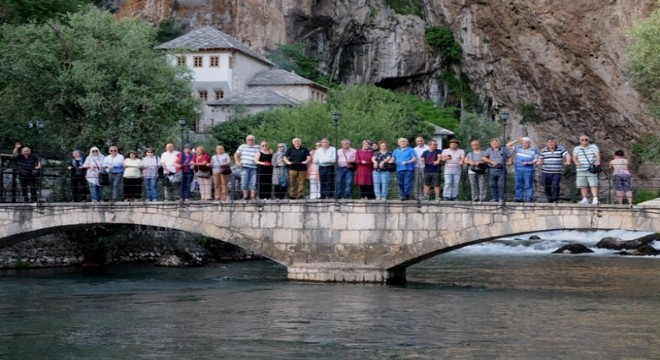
593,168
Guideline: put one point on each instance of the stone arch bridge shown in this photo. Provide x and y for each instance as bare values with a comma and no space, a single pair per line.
351,241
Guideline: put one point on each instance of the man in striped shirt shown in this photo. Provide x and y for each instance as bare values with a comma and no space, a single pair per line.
245,160
552,159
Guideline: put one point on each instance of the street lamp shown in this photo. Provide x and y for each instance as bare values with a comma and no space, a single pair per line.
182,124
336,116
40,125
504,116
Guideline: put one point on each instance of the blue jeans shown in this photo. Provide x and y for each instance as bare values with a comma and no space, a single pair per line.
525,185
248,178
327,177
184,186
96,192
451,185
381,183
497,183
151,188
404,179
344,181
550,184
115,183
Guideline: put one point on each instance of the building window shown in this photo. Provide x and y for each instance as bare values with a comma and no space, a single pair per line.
215,61
231,62
203,94
219,94
181,60
197,61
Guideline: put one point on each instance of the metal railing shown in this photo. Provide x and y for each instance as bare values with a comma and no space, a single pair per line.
55,186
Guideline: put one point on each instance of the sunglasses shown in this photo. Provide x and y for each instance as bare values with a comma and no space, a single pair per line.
584,139
113,150
95,151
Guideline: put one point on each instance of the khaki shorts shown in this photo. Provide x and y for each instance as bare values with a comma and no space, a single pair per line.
586,179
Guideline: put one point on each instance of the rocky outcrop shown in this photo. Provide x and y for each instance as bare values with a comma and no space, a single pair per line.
563,58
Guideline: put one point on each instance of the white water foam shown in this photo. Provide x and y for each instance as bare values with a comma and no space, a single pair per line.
549,242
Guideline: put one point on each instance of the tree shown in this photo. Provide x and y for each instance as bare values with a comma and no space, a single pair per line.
23,11
643,59
96,80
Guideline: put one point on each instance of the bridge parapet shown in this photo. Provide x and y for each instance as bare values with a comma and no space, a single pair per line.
355,241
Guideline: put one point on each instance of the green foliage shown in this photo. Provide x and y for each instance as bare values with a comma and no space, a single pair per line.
473,126
95,80
646,148
231,133
24,11
367,112
460,92
529,114
406,7
643,64
292,57
442,40
641,196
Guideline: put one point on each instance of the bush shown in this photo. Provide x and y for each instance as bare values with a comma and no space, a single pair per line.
442,40
367,112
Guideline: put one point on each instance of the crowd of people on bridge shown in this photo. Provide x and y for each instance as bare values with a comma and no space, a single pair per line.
423,171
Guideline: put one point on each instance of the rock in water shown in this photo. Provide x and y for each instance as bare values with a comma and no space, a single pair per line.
614,243
534,237
646,250
170,261
573,249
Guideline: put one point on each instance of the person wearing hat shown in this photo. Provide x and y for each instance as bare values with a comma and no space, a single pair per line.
132,177
453,158
184,166
525,157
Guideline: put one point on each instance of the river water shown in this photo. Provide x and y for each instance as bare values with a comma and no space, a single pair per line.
495,300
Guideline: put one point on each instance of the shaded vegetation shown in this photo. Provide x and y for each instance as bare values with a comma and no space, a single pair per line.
292,57
643,65
406,7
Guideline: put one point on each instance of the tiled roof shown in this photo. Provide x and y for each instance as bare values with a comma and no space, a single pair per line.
209,38
254,98
278,77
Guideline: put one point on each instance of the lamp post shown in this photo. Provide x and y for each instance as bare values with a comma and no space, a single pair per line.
504,116
40,125
336,116
182,124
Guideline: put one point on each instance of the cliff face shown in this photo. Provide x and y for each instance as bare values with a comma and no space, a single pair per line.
563,57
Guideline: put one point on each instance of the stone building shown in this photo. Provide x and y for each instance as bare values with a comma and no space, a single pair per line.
230,77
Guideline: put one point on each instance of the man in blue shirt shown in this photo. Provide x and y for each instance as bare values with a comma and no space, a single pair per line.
525,157
404,158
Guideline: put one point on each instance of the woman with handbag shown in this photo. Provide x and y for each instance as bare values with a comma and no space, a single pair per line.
201,165
221,165
94,165
77,171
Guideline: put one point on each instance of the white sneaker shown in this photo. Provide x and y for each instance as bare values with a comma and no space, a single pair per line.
595,201
584,201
